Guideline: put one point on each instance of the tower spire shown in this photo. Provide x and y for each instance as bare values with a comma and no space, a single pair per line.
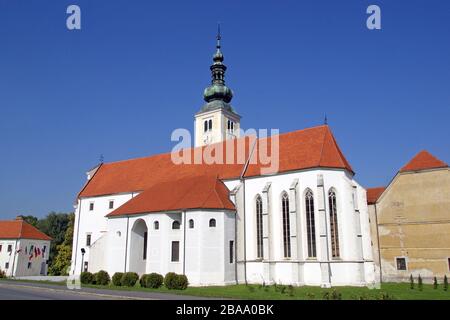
217,90
218,36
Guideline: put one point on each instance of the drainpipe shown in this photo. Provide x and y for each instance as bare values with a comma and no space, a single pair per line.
235,246
78,233
242,179
184,243
326,232
378,242
126,246
245,240
126,240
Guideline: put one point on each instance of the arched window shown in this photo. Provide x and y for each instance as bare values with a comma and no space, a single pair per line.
191,224
310,224
333,224
205,126
156,225
176,225
212,223
259,228
286,225
210,124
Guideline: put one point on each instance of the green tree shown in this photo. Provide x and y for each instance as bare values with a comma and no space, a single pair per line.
435,283
411,282
61,263
54,225
31,220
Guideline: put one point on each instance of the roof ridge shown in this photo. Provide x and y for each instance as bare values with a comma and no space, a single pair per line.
212,190
221,142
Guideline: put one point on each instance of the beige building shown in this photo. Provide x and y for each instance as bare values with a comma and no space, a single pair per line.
410,221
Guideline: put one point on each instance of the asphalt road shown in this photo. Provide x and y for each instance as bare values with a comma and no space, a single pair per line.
16,290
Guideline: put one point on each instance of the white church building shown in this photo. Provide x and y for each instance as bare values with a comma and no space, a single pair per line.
303,222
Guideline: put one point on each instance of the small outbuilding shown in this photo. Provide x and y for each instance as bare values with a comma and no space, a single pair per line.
24,250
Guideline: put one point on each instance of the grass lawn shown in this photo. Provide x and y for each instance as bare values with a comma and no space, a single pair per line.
397,291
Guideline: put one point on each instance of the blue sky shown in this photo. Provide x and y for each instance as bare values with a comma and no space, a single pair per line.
137,70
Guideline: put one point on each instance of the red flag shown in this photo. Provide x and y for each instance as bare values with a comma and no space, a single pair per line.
39,251
31,257
35,252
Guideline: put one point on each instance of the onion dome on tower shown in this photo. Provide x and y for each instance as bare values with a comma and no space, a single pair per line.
217,95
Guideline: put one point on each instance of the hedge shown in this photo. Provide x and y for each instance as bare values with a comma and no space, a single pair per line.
175,281
152,280
102,278
129,279
87,278
117,279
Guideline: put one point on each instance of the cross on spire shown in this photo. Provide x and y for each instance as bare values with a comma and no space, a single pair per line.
219,37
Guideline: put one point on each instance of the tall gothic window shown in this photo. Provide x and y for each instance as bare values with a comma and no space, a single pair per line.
286,225
259,228
210,124
333,224
310,224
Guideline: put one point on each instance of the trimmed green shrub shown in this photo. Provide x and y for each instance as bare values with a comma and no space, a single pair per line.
435,284
152,280
445,283
102,278
129,279
420,284
2,274
411,282
176,281
117,278
169,280
87,278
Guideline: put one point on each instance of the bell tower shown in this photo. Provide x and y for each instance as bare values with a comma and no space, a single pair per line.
216,121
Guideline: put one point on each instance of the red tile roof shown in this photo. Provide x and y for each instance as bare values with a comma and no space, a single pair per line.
373,194
202,192
309,148
19,229
423,160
